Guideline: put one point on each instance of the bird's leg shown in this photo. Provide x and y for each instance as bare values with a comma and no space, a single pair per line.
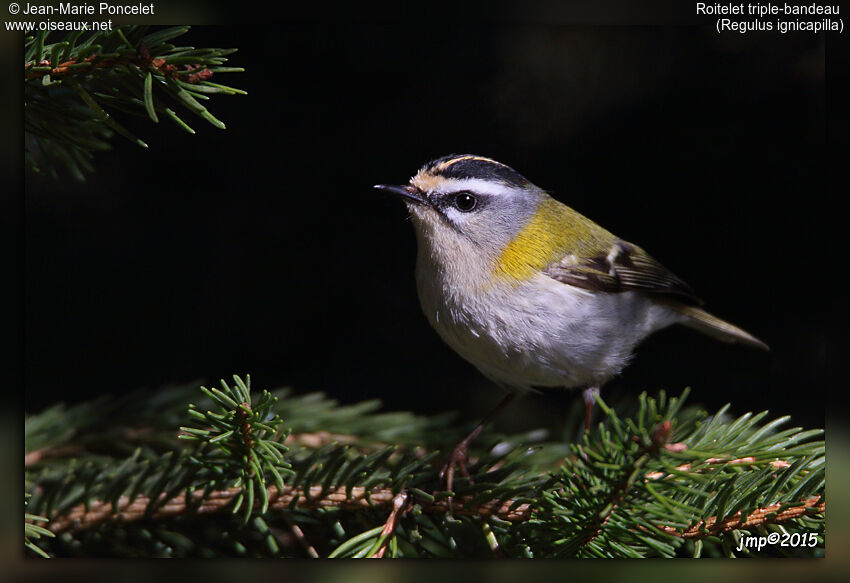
589,395
458,457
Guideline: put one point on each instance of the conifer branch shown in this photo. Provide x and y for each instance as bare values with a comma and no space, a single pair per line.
772,514
645,484
125,70
82,517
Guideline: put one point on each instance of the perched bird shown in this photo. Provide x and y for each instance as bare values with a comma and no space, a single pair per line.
531,292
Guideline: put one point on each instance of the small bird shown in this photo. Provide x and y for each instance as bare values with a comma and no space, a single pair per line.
531,292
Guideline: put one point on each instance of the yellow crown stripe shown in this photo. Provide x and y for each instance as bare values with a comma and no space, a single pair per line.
448,163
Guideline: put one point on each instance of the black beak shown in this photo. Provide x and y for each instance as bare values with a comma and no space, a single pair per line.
406,192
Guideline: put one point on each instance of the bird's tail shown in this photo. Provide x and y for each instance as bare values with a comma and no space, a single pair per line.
699,319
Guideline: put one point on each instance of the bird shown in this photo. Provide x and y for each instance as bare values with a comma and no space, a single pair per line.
529,291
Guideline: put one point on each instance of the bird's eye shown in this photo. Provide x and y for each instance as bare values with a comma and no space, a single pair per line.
465,202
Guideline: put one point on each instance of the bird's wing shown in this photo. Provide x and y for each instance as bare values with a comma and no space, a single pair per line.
622,267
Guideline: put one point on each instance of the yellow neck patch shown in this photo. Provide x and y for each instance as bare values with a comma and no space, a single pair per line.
552,232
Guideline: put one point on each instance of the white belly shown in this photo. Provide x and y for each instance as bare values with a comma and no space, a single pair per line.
542,332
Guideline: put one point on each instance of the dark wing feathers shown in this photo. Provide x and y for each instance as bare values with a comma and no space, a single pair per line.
624,267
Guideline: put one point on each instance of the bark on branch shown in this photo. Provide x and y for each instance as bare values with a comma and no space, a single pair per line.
79,518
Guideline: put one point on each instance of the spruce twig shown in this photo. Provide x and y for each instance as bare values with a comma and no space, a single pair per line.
80,517
33,532
241,439
661,481
75,85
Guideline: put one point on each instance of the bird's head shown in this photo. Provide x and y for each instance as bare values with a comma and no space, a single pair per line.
469,202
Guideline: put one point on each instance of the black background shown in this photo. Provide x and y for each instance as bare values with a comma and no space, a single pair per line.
262,249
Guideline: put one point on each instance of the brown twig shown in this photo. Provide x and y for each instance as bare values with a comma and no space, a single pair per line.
300,537
78,518
317,439
399,507
714,461
760,516
192,73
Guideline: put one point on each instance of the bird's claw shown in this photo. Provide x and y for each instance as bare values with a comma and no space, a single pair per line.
457,459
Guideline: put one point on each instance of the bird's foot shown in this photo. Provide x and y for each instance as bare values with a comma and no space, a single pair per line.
589,395
459,456
458,459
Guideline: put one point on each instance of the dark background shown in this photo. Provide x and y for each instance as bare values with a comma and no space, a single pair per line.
262,249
